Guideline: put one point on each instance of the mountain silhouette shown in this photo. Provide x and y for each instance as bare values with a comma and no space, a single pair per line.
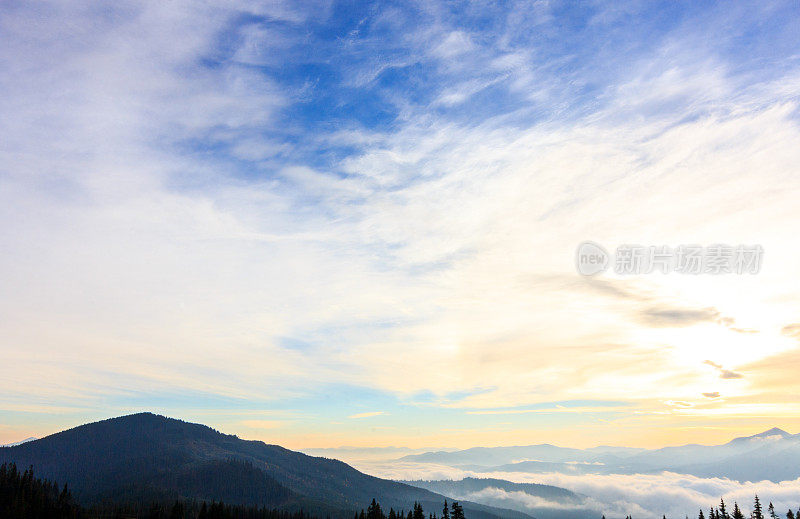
770,455
146,457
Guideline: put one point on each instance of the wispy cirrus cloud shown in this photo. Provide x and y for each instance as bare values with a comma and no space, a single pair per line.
190,192
369,414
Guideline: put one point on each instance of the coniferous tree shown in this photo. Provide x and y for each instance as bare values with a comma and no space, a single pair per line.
392,515
700,515
374,510
445,511
757,512
456,511
177,511
722,512
24,496
771,511
789,515
418,512
737,513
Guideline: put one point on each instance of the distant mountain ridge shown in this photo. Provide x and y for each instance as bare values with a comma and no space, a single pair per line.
148,457
771,455
14,444
543,501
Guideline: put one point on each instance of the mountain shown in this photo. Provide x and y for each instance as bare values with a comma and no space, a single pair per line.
771,455
498,455
145,457
773,433
542,501
26,440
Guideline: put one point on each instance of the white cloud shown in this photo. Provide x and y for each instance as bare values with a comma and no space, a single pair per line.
453,45
640,495
133,264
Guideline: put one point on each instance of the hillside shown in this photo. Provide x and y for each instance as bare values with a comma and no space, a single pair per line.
145,456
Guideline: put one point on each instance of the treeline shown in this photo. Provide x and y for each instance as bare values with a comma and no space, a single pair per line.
192,510
374,511
23,496
722,512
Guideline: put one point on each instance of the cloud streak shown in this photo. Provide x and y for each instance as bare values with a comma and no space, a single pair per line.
367,415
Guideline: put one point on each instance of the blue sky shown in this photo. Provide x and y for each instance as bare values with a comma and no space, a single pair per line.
336,223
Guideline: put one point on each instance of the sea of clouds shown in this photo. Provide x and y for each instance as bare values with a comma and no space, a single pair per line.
614,495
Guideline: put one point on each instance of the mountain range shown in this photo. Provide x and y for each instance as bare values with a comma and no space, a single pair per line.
146,457
542,501
771,455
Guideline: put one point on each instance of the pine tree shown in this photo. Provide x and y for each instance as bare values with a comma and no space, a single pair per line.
177,511
771,511
374,510
445,511
457,511
789,515
757,512
700,515
737,513
722,512
418,512
392,515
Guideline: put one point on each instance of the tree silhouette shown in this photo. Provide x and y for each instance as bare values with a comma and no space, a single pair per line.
757,512
722,512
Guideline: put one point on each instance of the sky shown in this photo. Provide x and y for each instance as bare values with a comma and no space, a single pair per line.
321,224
